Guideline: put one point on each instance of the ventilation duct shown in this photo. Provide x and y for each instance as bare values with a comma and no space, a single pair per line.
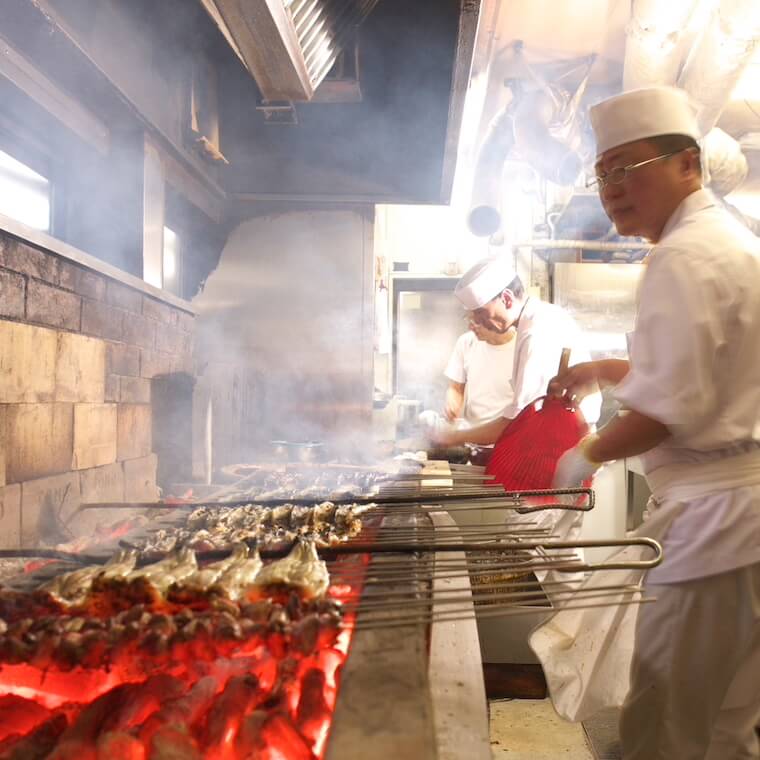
289,46
724,165
654,42
720,56
544,135
540,127
484,219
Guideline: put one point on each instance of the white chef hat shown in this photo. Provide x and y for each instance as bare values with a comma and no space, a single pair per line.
484,281
638,114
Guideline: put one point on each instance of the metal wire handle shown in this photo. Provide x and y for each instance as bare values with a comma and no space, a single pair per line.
641,564
559,505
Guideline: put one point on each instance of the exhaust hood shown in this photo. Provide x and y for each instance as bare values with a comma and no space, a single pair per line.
289,46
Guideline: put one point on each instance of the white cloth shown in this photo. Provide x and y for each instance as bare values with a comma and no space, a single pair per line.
543,330
637,114
484,281
565,525
587,654
486,372
695,368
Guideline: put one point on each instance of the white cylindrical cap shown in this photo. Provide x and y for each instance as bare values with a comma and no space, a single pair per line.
484,281
638,114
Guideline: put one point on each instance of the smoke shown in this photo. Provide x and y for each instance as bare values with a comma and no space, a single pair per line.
288,311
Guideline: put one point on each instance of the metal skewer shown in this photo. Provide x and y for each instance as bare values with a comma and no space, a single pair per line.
492,492
497,612
368,607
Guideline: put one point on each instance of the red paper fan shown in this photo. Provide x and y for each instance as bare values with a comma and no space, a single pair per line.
525,456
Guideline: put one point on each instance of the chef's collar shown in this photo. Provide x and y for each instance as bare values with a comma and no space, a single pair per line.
528,309
696,201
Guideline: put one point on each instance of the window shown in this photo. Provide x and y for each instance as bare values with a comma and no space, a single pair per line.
164,271
171,262
24,194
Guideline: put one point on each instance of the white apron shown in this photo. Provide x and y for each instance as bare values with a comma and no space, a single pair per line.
586,654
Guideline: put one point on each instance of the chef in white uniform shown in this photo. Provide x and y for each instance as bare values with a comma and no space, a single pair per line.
479,372
494,294
691,389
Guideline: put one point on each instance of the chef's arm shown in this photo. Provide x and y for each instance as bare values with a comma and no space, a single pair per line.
483,435
582,379
454,401
626,435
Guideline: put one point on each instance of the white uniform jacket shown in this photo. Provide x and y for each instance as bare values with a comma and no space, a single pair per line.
486,372
543,330
695,367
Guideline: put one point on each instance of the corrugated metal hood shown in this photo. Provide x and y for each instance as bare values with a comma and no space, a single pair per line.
289,46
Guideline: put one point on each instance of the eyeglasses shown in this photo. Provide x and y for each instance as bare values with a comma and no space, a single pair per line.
617,175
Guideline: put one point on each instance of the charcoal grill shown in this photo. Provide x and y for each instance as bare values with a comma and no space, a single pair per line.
408,629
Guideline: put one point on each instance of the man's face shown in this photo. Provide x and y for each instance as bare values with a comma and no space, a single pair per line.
487,335
496,315
642,203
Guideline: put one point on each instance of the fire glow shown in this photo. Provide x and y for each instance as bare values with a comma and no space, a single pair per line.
267,696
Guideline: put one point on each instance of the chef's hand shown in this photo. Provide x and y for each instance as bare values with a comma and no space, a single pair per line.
585,378
576,382
575,466
435,428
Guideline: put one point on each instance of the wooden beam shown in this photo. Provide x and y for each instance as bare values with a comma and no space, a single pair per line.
456,681
80,120
384,707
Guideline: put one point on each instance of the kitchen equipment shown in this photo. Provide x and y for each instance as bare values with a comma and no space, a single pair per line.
454,454
408,410
297,451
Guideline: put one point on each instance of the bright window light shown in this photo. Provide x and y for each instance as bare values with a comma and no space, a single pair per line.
170,253
24,194
171,261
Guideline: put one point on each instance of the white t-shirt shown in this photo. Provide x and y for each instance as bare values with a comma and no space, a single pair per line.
695,367
486,372
543,330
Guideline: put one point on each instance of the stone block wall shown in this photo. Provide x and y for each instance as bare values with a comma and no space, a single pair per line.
78,353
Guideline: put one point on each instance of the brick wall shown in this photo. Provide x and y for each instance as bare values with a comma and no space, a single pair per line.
78,352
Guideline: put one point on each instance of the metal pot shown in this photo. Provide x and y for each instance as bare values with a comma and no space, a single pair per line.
407,412
291,451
